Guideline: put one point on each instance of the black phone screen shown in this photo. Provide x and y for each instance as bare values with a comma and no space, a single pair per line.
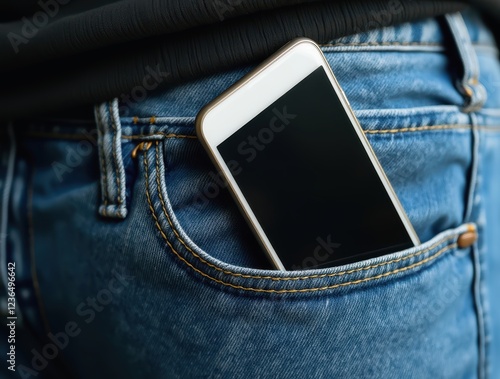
310,182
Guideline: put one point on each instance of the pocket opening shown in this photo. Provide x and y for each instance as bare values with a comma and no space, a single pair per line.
273,281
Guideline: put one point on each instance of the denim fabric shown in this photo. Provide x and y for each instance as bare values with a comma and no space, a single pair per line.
170,283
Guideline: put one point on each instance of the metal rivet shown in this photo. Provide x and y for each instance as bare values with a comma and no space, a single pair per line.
468,91
468,238
143,146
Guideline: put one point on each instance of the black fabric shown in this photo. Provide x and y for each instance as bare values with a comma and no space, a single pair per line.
94,50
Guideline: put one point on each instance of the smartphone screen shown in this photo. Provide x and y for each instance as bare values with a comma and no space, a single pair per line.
310,182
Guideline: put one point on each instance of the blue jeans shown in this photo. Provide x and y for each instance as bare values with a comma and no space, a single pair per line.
133,261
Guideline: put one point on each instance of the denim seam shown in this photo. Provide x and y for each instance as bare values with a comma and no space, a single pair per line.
111,161
161,134
116,140
492,128
112,158
366,131
479,284
480,314
395,43
102,159
162,232
416,129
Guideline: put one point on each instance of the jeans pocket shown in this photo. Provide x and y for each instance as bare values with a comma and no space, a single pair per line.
396,310
197,238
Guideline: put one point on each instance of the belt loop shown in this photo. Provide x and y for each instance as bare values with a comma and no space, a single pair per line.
469,85
109,134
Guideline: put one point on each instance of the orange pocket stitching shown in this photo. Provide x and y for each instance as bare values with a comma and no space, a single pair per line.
165,135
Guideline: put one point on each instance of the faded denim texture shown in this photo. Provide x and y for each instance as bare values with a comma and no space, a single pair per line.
180,286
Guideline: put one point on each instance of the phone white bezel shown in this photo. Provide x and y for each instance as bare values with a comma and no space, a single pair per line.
255,92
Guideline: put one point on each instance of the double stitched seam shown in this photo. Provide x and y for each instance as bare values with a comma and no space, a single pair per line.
109,161
112,159
381,44
450,246
494,128
117,173
152,120
435,127
479,285
102,157
417,129
380,131
160,134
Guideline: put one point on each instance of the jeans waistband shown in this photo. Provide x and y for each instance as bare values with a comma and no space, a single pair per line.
463,30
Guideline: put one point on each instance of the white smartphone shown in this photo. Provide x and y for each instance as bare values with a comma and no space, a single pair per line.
300,167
